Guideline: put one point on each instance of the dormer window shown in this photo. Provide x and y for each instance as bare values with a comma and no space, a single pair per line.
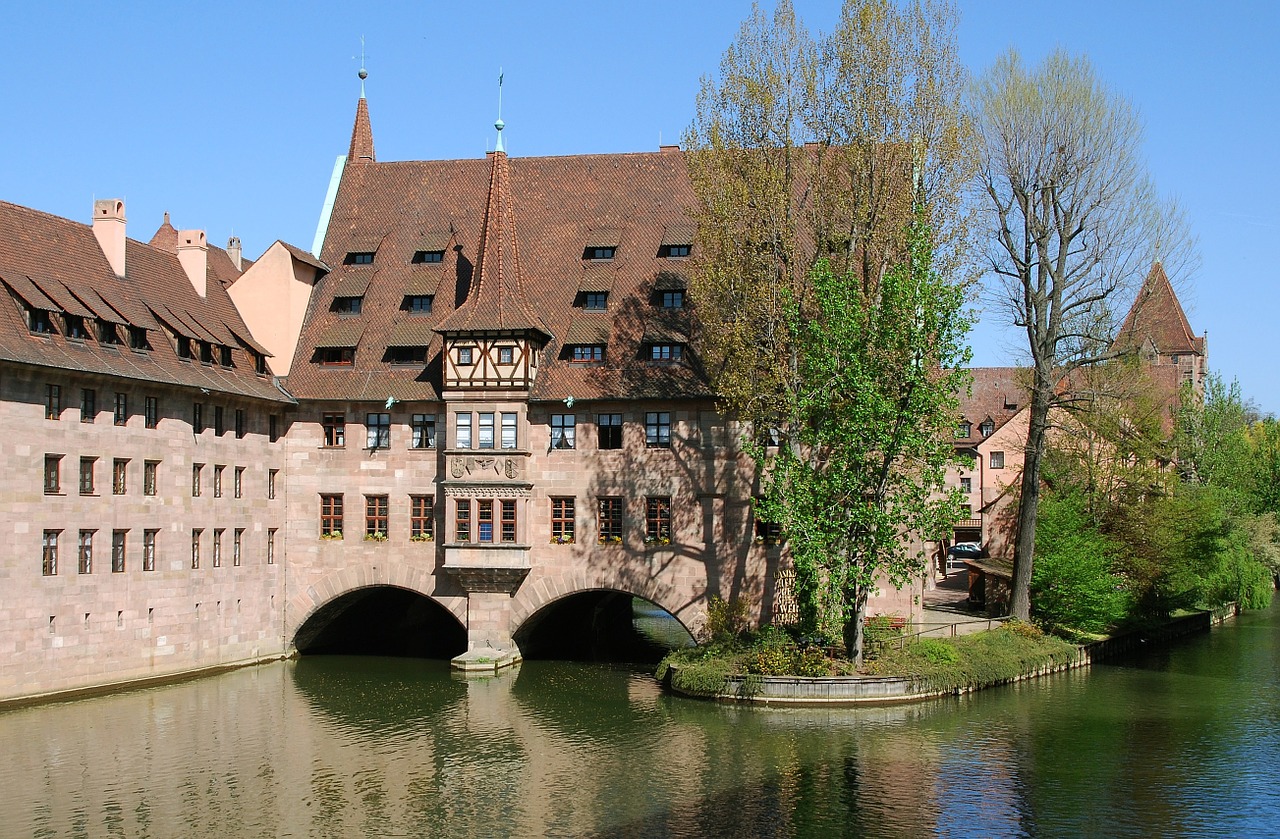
595,301
107,333
586,353
359,258
259,363
75,327
407,355
599,252
986,428
672,299
464,355
964,429
224,356
427,257
336,356
184,348
138,339
348,305
206,352
673,251
666,352
417,304
38,321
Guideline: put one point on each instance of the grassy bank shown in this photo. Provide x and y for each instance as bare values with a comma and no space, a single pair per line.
937,664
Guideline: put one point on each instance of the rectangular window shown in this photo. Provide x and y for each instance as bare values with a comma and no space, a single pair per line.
52,474
224,356
184,348
586,353
53,402
217,480
673,299
336,356
506,355
331,516
666,352
673,251
239,424
406,355
562,530
417,304
238,486
562,431
462,439
271,546
149,469
485,440
348,305
88,404
119,476
259,363
657,520
428,257
151,411
86,475
596,301
609,431
149,550
197,418
378,431
49,561
335,430
197,469
966,484
508,431
38,321
273,428
508,519
423,428
360,257
462,521
196,534
599,252
86,552
117,551
484,520
122,409
768,532
237,542
422,516
464,356
657,429
375,517
138,339
997,460
206,352
217,547
271,482
218,427
609,521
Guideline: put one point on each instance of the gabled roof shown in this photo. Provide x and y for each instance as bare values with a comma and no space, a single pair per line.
65,256
1157,315
998,393
496,301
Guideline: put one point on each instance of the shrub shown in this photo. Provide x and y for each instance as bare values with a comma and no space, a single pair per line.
1072,583
726,618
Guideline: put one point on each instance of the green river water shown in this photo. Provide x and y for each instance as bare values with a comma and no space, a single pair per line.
1181,741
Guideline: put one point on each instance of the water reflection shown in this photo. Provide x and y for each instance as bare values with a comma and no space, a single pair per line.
1182,742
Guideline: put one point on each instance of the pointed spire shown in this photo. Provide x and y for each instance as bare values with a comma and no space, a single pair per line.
1157,316
361,150
497,300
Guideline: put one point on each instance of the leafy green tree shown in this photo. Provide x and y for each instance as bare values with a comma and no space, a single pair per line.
1075,586
878,383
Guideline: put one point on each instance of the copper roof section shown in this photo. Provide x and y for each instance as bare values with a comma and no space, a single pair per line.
496,301
1156,314
361,150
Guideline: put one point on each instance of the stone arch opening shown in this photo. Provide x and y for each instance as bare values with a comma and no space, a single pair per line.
601,625
382,620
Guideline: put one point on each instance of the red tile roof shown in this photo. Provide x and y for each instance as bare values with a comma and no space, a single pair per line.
1156,314
65,256
361,149
996,395
559,205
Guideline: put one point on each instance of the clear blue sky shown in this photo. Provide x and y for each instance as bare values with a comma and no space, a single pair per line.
230,115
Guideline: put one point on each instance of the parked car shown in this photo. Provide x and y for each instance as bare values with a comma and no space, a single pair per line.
959,552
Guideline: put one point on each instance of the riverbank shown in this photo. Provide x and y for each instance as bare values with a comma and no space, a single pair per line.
930,668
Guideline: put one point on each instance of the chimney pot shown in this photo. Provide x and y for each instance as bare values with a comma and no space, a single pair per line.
193,255
233,251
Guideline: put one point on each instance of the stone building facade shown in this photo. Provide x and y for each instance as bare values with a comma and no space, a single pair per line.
482,390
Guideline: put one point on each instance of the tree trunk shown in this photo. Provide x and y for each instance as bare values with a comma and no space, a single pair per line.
1028,501
854,625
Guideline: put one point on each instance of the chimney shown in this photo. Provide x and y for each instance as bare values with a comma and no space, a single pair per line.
233,251
193,253
108,229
